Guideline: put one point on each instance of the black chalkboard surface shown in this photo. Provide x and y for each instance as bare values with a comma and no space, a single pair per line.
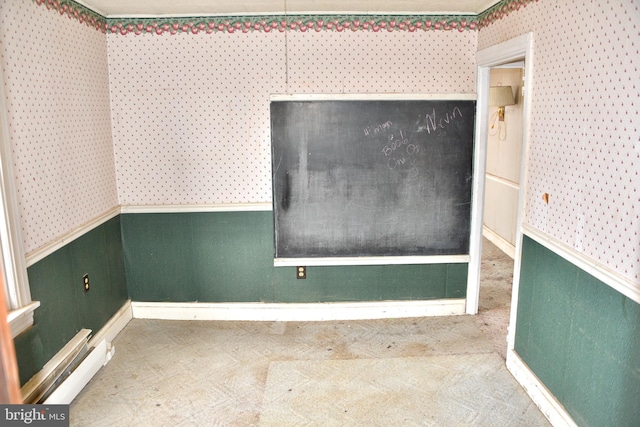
371,178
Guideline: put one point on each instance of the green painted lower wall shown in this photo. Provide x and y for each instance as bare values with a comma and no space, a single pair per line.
207,257
56,281
228,257
580,337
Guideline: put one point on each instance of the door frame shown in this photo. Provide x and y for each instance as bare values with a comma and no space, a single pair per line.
516,49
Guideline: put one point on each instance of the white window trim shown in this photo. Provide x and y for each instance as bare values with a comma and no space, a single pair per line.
20,307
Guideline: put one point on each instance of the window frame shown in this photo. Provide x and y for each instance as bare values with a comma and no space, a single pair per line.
20,306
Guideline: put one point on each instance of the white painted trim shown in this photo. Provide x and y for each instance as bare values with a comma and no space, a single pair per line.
477,191
50,248
503,53
503,244
114,326
503,181
372,260
509,51
541,396
612,278
372,96
74,383
296,312
526,45
216,207
517,64
22,318
14,267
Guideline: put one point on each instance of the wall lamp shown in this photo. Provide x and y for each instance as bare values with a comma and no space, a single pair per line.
499,96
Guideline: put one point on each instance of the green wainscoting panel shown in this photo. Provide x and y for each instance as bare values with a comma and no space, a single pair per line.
56,281
580,337
228,257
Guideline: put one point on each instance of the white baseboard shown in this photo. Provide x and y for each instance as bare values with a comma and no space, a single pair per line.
296,312
114,325
102,352
502,244
541,396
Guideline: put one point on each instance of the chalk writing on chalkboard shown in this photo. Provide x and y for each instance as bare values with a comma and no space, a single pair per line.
371,178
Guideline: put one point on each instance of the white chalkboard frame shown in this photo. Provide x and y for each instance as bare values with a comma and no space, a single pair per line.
373,260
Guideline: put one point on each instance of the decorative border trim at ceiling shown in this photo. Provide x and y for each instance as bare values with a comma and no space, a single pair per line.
500,10
281,23
76,11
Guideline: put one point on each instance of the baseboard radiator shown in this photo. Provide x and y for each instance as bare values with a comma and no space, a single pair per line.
64,376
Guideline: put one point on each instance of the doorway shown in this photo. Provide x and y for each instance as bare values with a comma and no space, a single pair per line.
500,213
515,50
504,156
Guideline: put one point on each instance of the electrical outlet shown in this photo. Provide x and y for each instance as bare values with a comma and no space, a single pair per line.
301,272
85,279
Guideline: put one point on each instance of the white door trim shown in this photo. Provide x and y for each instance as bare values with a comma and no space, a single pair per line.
509,51
516,49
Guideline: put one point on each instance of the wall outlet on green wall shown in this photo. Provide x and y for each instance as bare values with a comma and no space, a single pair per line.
85,280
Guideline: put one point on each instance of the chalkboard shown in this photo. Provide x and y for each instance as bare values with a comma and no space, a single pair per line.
371,178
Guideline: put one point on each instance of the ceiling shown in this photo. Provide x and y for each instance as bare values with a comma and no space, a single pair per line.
120,8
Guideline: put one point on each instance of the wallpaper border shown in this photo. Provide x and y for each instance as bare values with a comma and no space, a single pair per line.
282,23
74,10
500,10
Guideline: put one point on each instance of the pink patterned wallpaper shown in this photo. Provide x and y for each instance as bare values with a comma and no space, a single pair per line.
585,124
191,111
57,98
191,116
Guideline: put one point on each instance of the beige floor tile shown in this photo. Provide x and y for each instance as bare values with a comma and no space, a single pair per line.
440,371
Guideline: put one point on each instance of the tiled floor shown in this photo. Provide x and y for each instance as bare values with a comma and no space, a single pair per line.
440,371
